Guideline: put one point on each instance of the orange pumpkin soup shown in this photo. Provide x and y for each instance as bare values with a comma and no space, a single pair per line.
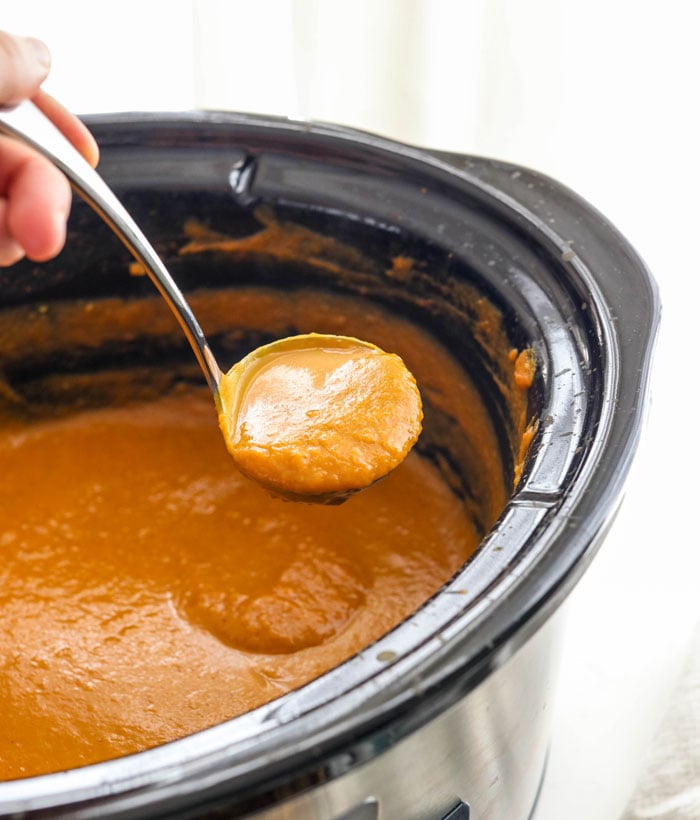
148,589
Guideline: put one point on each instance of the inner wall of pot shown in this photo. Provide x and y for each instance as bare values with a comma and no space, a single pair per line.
89,329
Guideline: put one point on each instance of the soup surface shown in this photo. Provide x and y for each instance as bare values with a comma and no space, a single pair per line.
149,590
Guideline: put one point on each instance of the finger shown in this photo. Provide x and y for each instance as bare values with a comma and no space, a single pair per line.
24,64
10,251
38,203
69,125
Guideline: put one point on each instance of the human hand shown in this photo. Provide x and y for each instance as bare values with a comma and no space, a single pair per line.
35,196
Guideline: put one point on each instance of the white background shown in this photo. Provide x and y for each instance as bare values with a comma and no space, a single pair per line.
602,95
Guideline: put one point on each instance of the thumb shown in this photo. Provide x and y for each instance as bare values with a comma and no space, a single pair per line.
24,64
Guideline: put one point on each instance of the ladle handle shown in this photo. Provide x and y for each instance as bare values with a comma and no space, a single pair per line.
28,124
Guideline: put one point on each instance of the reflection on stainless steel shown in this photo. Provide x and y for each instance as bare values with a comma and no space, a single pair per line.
488,750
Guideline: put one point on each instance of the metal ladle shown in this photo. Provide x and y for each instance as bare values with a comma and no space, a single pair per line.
28,124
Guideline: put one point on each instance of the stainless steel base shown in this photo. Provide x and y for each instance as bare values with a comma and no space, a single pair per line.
488,751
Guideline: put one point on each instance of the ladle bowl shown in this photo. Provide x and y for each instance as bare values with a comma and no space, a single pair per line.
318,417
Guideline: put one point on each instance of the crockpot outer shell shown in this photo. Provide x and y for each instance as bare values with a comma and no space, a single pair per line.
568,284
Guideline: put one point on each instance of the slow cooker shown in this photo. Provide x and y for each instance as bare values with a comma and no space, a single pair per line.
447,716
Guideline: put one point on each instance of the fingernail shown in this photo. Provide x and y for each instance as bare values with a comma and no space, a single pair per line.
41,52
10,252
60,220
